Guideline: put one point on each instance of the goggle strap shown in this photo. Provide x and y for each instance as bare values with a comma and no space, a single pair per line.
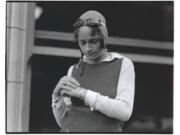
80,22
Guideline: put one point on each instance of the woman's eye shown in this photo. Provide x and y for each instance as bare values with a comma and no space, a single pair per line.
94,41
81,42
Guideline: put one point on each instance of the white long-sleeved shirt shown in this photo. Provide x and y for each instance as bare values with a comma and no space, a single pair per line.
121,107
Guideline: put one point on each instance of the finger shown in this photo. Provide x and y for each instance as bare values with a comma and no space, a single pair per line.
65,78
66,87
74,81
62,80
62,83
71,79
57,89
70,84
65,92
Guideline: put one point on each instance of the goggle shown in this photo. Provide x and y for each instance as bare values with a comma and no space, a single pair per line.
88,22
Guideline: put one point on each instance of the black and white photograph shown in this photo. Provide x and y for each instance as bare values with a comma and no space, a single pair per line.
89,67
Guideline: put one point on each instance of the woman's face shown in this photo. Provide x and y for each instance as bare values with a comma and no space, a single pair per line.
89,42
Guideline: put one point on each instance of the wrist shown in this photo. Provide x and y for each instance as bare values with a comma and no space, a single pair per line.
83,93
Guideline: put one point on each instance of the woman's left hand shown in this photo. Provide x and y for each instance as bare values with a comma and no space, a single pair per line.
77,92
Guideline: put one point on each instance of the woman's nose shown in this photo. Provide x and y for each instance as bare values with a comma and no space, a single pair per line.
88,48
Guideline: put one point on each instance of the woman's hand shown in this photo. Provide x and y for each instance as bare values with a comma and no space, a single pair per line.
70,82
77,92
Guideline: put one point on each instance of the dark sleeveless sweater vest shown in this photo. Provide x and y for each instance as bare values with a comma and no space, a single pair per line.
101,78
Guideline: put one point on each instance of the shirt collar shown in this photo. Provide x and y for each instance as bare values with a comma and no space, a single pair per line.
109,58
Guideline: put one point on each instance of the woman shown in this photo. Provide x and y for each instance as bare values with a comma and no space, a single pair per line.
98,92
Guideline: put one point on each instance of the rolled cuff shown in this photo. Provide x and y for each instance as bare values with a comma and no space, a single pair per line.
90,99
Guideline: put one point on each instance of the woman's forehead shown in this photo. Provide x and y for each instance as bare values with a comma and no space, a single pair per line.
87,32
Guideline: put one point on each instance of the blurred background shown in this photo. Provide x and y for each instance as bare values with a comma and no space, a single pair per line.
141,30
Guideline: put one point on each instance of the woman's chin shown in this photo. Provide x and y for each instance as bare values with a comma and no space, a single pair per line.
92,57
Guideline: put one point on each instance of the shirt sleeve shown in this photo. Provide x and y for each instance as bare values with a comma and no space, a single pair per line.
69,73
120,107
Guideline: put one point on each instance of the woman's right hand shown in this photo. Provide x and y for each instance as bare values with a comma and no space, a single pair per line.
64,81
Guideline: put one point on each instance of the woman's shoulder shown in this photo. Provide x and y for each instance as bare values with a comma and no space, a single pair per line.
120,56
127,63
